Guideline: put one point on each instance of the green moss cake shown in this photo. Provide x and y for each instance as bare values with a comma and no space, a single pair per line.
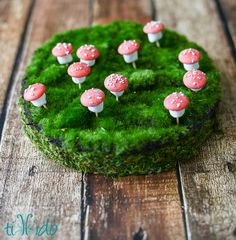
136,135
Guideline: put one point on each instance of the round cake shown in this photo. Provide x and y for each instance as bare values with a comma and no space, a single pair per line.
135,135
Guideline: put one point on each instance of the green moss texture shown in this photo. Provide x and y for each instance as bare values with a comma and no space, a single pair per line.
136,135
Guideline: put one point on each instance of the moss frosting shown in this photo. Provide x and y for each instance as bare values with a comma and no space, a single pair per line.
136,135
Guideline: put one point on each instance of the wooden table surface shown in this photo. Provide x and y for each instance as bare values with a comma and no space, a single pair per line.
197,200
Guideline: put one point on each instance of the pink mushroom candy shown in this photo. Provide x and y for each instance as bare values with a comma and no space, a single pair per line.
78,72
93,99
116,84
88,54
190,58
36,95
129,50
154,31
63,52
195,80
176,104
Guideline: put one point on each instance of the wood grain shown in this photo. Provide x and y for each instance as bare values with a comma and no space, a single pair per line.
13,14
129,207
132,207
229,9
208,181
109,10
29,182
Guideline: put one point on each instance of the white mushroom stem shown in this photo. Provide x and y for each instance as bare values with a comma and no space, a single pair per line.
189,67
78,80
90,63
177,114
195,89
96,109
40,101
117,94
65,59
129,58
154,37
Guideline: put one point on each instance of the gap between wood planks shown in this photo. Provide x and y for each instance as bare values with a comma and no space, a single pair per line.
15,67
225,25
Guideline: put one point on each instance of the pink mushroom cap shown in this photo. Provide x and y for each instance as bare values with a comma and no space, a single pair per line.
34,92
194,79
189,56
116,82
92,97
87,52
176,101
153,27
78,69
62,49
128,47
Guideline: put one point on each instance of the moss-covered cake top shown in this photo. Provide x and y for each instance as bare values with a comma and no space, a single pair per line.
139,117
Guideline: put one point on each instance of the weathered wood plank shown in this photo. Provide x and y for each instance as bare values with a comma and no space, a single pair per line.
208,181
105,11
12,19
132,207
229,9
29,182
120,208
